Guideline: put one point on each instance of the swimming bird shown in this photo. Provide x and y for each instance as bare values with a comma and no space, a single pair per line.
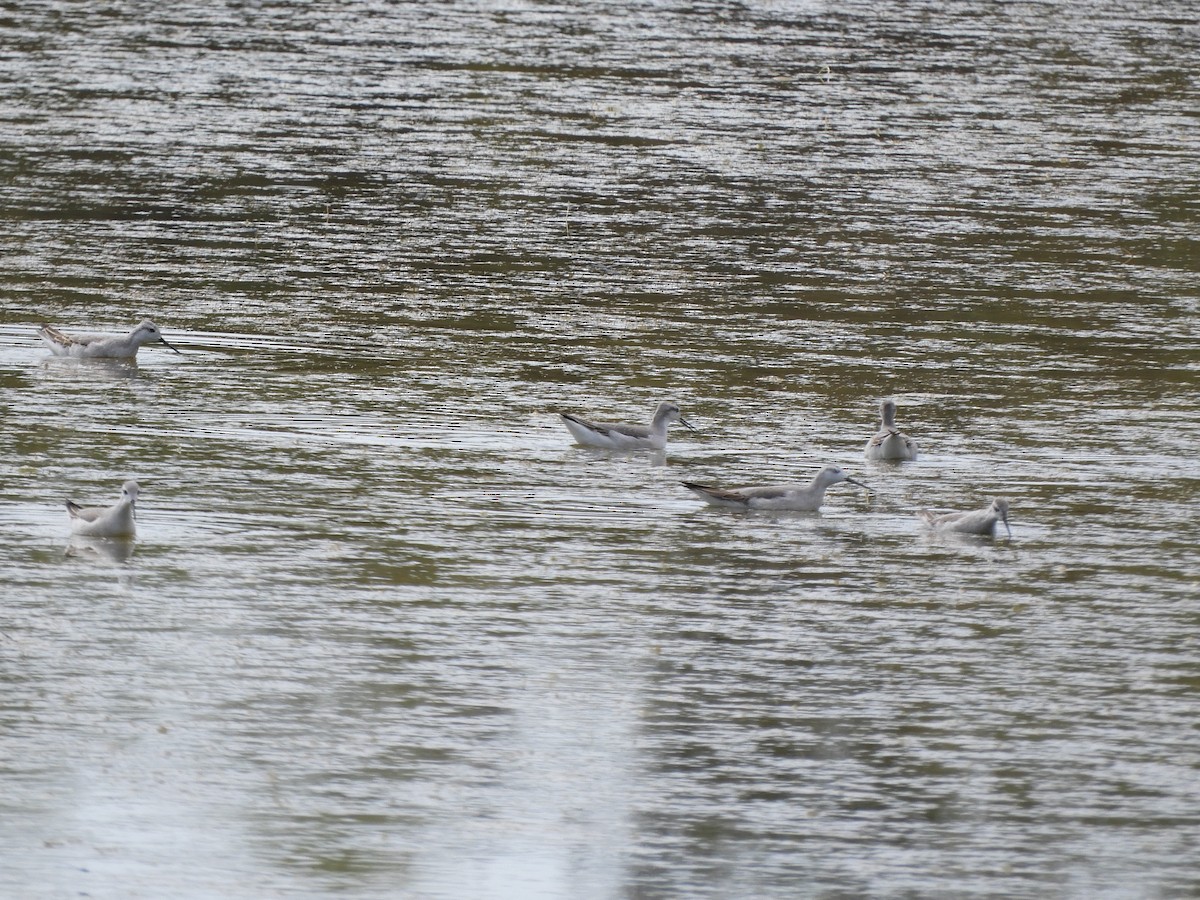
102,346
978,521
612,436
890,442
106,521
801,497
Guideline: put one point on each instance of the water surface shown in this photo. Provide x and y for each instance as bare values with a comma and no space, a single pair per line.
386,632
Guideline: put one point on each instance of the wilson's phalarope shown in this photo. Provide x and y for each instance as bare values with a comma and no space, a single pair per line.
978,521
802,497
102,346
106,521
890,442
626,437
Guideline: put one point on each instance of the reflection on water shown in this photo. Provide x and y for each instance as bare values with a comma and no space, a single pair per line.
387,631
116,550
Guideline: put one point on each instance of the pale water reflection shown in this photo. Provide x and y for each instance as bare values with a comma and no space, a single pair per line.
117,550
386,632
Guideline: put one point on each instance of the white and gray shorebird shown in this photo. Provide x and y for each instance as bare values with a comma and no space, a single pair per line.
796,496
615,436
890,442
106,521
102,346
977,521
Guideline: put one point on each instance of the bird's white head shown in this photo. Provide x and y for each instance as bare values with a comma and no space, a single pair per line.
835,475
668,411
147,332
129,491
1000,505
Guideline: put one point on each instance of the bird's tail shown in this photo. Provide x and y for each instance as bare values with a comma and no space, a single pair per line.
52,335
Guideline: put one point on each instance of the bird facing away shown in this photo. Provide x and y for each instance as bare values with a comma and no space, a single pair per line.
890,442
106,521
977,521
613,436
102,346
796,496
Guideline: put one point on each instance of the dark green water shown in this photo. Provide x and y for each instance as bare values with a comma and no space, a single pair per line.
386,632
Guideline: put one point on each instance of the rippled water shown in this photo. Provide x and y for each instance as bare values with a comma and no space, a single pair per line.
387,632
